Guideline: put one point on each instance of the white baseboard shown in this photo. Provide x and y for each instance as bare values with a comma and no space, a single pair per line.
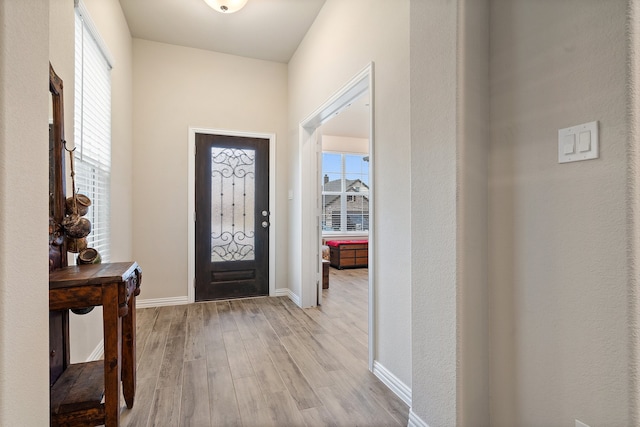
97,352
395,385
286,292
415,421
161,302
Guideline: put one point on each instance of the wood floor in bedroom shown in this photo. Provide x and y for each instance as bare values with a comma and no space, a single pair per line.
262,362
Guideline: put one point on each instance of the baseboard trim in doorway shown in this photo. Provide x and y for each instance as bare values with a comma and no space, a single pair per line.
161,302
395,385
286,292
415,421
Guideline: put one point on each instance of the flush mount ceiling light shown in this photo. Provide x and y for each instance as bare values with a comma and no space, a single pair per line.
226,6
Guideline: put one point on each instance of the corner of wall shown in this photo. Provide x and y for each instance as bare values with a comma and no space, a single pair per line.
24,350
633,216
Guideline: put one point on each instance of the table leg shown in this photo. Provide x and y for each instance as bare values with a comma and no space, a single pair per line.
112,325
129,353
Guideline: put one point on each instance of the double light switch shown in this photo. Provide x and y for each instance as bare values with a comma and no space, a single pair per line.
578,143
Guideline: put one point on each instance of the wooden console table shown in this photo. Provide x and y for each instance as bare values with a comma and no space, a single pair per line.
77,395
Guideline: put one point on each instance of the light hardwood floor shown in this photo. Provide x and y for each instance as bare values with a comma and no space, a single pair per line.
262,362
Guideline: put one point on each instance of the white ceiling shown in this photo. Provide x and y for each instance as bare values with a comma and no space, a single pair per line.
263,29
270,30
352,121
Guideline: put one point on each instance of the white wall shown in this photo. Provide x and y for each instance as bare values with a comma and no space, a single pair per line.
558,247
61,56
634,205
176,88
472,213
345,37
24,290
433,184
449,104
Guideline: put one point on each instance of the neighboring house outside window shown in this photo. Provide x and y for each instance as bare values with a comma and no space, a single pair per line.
345,193
92,128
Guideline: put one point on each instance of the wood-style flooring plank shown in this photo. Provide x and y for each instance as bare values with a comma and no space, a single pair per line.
356,348
162,321
267,334
151,357
222,396
319,417
273,314
251,401
367,408
139,414
243,319
211,326
369,385
314,373
266,372
165,408
171,367
283,410
251,306
323,353
239,362
333,325
339,405
293,379
302,318
194,404
194,341
227,322
144,320
178,324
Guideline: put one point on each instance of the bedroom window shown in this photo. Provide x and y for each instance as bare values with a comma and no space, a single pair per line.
345,193
92,128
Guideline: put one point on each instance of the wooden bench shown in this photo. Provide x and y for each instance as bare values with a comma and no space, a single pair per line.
349,253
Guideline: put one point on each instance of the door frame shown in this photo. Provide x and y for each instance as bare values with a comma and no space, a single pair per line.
310,232
191,204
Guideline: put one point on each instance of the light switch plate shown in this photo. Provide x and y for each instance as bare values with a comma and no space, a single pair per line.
581,136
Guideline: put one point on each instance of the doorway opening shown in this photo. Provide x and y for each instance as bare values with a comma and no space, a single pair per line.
314,209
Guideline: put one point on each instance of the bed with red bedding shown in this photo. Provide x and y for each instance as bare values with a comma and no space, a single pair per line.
348,253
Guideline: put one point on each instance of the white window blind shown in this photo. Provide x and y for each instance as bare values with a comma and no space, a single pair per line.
92,123
345,193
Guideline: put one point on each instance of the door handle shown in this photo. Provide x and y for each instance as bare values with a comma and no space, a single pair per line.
265,224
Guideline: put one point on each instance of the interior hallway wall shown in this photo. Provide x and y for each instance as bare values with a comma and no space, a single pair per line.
449,141
558,247
346,37
175,88
24,211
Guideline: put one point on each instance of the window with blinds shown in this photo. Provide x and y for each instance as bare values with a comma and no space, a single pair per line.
92,127
345,193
